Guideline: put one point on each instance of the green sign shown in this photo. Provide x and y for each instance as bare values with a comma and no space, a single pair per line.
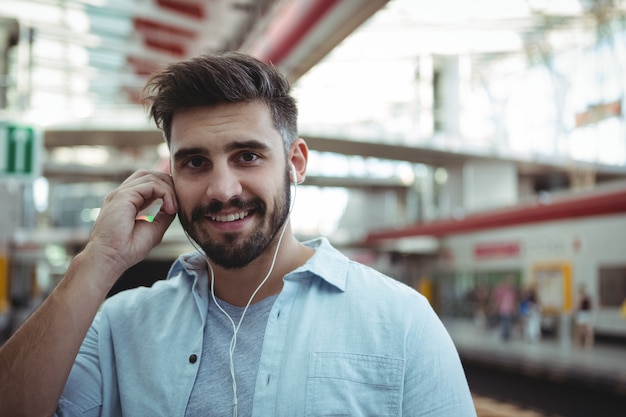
20,149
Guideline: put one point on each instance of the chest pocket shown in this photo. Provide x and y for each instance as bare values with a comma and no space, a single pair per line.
346,384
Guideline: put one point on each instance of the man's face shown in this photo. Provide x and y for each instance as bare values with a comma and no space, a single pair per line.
231,180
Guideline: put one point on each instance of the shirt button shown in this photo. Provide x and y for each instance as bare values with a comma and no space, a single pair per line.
193,358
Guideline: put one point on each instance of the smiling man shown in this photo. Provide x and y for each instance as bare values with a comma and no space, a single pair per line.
234,188
252,323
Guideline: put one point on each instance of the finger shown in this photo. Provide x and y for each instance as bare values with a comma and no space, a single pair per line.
163,220
143,188
153,231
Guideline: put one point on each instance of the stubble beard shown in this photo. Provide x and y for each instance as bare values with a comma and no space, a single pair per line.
234,251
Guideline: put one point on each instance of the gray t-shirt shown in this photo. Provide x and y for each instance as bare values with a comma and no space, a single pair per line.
212,394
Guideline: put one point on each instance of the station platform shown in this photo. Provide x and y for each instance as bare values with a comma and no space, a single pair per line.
602,367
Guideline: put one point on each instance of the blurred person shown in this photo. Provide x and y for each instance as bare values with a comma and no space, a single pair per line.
583,326
480,302
530,313
254,322
505,298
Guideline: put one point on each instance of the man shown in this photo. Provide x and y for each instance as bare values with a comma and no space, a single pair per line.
583,319
505,297
254,322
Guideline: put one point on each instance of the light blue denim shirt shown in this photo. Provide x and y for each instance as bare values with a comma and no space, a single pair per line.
341,339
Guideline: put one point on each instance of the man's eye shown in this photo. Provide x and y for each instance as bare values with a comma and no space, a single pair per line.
249,157
194,163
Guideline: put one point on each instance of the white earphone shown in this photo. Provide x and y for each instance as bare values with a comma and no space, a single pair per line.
294,174
236,326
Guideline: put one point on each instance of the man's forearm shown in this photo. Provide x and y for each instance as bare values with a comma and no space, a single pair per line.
36,361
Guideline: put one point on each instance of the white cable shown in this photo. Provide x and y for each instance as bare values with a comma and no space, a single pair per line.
233,340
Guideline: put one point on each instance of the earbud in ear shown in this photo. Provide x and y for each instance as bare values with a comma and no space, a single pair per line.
294,175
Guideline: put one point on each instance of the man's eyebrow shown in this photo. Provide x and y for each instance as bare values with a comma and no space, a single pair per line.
185,152
231,146
247,144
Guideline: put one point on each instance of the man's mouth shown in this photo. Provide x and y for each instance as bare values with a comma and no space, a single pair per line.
230,217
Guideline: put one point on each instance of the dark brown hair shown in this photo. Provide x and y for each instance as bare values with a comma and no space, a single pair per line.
209,80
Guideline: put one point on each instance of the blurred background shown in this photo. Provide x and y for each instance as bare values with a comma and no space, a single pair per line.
453,144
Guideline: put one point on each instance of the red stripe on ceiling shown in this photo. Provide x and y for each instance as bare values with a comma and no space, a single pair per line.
188,8
147,26
142,66
172,48
291,27
601,203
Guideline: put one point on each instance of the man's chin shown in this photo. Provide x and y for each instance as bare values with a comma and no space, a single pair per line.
231,251
230,261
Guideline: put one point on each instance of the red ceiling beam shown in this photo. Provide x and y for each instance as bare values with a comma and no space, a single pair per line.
150,26
192,9
290,28
163,37
173,48
601,203
142,66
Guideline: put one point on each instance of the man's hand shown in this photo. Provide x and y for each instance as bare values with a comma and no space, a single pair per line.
118,236
36,361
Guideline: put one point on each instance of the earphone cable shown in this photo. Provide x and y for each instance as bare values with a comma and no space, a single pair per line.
233,341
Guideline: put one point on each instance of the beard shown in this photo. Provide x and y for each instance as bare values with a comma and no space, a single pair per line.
234,251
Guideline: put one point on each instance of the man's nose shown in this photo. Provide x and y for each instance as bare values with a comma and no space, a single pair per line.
224,184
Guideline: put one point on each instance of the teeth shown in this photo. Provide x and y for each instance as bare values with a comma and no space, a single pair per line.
230,217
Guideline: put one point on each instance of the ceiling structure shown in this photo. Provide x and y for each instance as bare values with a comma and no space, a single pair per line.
126,40
92,57
80,66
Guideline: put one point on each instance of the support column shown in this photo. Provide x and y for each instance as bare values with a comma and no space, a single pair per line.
9,35
489,185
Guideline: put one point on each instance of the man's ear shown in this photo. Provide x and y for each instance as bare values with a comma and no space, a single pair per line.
298,159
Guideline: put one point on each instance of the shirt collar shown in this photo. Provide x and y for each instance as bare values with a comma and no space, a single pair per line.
327,263
189,263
